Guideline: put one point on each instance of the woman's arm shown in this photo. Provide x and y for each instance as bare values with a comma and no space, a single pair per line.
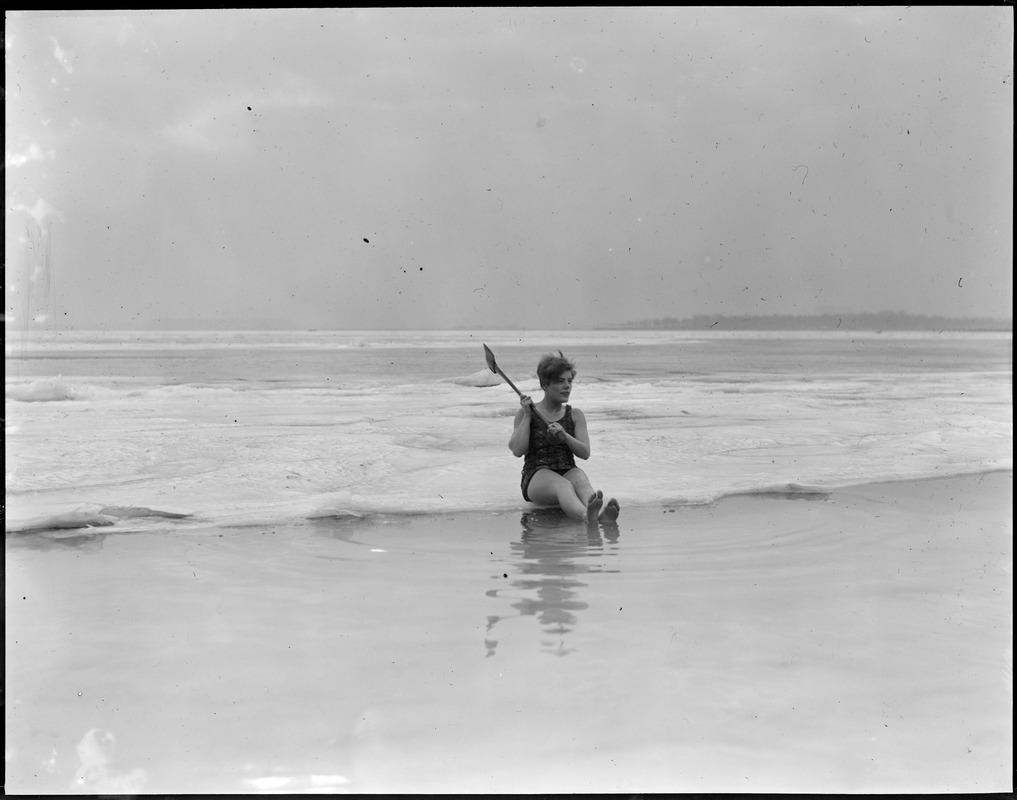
580,443
519,442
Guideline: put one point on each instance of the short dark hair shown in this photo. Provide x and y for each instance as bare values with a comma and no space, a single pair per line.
552,366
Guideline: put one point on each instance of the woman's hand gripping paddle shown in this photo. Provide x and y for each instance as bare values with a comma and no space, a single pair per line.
495,368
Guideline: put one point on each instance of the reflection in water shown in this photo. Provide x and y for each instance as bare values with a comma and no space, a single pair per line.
56,540
551,555
343,527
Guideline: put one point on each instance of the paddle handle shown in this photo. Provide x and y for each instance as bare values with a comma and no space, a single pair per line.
533,406
493,366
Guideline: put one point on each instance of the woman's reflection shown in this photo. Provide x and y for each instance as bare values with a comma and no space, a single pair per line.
551,554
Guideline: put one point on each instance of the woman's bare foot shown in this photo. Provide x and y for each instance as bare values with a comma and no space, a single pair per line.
593,506
610,511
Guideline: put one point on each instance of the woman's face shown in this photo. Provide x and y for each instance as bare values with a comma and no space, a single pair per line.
559,389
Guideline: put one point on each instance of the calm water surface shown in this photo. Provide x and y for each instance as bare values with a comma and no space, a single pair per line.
837,643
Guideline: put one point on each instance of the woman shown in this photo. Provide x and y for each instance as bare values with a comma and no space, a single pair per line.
550,474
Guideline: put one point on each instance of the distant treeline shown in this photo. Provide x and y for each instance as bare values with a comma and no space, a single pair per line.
881,321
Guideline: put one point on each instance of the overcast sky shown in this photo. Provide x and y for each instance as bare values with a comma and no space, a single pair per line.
526,167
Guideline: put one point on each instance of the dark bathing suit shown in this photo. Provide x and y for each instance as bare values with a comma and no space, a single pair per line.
545,453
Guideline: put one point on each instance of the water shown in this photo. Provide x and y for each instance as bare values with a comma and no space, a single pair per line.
852,644
254,428
280,592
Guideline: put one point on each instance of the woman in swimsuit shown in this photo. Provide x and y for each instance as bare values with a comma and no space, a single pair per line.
550,474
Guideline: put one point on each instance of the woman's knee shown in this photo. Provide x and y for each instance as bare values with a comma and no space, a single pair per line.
579,480
547,487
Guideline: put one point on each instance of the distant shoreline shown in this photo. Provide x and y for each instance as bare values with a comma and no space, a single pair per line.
883,321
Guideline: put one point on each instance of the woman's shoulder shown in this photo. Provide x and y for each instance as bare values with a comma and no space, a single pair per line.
575,412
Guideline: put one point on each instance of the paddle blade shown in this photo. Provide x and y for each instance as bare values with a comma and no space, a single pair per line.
490,359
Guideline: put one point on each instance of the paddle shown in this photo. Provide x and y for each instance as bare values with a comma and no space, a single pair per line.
495,368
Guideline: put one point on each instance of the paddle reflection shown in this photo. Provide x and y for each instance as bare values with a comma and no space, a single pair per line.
550,558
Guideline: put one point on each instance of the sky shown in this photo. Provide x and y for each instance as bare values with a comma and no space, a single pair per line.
529,168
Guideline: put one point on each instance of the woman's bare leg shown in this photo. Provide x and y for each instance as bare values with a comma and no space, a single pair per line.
604,511
581,483
551,489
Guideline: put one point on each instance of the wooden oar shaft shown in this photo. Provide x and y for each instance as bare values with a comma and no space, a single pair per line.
495,368
533,405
